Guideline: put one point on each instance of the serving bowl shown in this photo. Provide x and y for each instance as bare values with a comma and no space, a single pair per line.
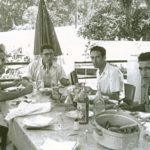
115,139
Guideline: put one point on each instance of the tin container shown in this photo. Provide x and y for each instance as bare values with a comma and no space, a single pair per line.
111,139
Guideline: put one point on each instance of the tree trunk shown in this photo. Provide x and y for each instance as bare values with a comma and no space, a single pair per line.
147,34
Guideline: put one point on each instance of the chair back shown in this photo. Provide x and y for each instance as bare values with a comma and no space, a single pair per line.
3,136
73,77
129,93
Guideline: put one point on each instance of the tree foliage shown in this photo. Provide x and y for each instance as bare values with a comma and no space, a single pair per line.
15,13
61,12
11,13
118,20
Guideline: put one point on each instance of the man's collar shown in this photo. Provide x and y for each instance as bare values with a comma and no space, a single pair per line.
41,63
105,69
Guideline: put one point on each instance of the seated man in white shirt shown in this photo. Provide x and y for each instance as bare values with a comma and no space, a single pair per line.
144,67
46,69
109,78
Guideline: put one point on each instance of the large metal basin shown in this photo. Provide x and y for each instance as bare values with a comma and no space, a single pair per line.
111,139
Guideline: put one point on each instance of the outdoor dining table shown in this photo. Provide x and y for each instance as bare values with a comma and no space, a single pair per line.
24,139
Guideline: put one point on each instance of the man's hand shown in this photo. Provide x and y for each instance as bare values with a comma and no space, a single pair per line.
64,81
16,82
25,81
28,89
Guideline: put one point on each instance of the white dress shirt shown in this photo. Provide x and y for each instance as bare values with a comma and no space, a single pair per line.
36,71
110,80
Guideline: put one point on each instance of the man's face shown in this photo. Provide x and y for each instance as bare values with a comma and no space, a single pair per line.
144,67
97,59
47,55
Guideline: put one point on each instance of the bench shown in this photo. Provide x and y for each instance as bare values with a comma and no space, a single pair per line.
86,70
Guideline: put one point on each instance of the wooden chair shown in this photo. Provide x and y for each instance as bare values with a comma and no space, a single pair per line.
73,77
3,136
129,95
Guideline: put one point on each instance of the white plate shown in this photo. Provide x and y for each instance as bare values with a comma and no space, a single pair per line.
75,114
38,121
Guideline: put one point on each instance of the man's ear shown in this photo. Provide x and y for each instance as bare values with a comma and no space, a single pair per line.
104,57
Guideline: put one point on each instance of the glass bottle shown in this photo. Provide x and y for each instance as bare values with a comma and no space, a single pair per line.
99,103
83,107
47,77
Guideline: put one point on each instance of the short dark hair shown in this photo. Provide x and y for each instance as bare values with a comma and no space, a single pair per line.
144,56
2,48
45,46
102,50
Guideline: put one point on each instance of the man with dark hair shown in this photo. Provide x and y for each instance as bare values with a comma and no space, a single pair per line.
144,67
46,69
109,78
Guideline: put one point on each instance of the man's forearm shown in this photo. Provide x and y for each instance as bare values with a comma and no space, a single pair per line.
4,96
6,85
114,95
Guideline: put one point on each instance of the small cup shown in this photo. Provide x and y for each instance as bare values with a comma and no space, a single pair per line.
39,84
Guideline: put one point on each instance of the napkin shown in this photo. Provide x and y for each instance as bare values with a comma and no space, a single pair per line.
38,121
58,145
142,115
25,108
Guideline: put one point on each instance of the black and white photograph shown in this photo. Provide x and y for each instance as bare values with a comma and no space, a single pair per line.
74,74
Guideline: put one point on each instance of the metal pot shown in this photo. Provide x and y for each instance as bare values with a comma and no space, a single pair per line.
111,139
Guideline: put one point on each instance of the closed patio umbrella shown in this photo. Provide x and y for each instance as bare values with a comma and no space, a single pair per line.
44,31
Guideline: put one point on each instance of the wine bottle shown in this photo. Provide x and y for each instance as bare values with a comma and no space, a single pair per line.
83,107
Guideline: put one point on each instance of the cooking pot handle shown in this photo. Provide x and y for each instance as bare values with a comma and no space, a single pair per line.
99,132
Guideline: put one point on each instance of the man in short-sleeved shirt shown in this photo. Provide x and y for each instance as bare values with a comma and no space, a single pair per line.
144,67
46,69
109,77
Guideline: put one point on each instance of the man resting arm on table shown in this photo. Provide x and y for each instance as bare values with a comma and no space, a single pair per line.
10,95
46,69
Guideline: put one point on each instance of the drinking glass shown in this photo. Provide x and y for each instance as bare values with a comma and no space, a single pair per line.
58,121
39,84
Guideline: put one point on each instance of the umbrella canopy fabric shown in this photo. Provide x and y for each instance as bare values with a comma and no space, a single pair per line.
44,31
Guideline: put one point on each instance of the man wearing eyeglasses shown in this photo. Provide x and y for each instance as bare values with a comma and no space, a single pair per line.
46,69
